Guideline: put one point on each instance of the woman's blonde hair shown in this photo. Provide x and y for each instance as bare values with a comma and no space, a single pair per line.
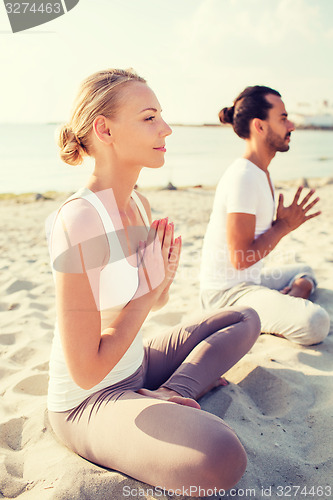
98,95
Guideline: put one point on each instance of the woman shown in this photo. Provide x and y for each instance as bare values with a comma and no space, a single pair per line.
110,393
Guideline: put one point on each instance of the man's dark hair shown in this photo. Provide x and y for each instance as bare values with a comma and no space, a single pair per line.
251,103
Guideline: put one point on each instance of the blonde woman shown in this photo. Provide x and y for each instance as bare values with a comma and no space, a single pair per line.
115,399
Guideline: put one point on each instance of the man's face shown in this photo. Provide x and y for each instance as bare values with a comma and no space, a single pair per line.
278,128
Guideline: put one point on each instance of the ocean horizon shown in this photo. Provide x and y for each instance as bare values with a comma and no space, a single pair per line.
196,155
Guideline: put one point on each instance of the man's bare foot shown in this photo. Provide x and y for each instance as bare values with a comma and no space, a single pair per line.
168,395
301,287
222,381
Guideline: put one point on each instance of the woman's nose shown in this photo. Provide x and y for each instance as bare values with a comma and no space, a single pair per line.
166,129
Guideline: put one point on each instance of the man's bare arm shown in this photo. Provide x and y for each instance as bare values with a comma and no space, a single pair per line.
245,250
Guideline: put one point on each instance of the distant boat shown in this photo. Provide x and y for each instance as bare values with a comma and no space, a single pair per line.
312,121
310,118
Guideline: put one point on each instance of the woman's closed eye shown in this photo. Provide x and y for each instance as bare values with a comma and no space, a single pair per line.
150,118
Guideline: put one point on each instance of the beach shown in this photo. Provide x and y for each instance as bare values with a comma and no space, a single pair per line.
280,395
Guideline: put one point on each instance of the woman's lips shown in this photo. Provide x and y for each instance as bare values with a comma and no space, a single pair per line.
161,148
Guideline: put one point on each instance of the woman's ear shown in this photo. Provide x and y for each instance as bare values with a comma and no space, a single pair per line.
102,130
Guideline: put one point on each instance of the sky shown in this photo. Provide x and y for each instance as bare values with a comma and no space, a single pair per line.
197,55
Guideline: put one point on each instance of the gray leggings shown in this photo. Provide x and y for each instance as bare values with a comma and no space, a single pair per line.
159,442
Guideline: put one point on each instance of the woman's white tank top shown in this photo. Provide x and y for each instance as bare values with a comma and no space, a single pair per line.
118,284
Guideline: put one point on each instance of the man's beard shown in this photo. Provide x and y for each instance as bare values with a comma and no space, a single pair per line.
276,142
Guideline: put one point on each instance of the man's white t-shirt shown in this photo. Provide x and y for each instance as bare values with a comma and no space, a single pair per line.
244,188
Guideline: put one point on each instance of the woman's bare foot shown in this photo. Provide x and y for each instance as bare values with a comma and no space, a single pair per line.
301,287
168,395
220,382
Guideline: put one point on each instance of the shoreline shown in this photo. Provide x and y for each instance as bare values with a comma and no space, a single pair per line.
311,182
176,124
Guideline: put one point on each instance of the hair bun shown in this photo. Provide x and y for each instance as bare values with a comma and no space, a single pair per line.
226,115
71,150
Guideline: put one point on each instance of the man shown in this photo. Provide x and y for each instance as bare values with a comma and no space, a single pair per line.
242,229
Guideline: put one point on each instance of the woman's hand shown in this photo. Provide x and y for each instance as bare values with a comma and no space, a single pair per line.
158,259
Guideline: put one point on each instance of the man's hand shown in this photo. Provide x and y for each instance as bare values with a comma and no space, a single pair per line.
296,214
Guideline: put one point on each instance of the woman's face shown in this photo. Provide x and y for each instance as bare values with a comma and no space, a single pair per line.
138,130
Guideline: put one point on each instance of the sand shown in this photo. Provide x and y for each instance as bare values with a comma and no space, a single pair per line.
279,400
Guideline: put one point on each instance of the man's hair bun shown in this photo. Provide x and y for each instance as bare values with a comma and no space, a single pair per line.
226,115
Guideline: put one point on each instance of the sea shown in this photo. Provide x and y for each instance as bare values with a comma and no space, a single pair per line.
196,155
